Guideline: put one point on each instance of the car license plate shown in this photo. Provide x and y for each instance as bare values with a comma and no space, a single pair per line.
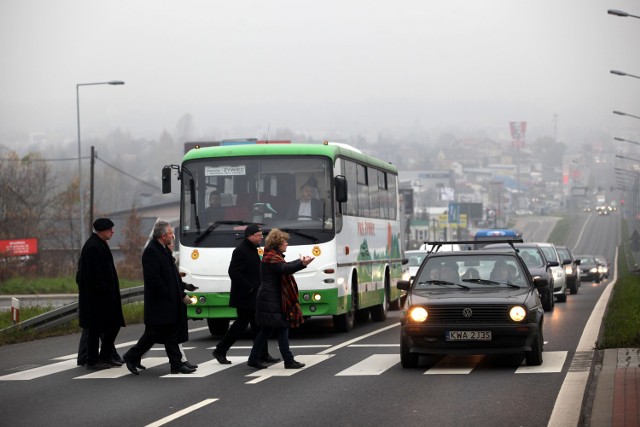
468,336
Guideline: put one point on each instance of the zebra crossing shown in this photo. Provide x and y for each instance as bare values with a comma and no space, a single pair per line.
372,365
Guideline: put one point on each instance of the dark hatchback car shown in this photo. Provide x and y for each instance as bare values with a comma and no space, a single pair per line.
571,268
538,266
589,268
471,302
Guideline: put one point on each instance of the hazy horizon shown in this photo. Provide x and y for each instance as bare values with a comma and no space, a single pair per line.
328,69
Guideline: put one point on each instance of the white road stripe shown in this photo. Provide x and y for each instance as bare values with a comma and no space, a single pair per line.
278,369
374,345
552,361
181,413
211,367
455,365
121,371
40,371
372,365
360,338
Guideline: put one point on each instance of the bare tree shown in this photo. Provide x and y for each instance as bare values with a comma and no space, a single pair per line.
132,245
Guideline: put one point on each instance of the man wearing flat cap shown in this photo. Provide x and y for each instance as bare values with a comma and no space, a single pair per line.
244,271
99,305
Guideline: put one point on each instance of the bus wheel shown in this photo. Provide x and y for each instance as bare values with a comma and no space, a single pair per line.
344,322
218,327
379,312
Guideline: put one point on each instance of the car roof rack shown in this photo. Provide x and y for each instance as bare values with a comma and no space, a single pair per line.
436,245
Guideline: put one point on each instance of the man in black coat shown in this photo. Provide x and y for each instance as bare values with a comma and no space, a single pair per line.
244,272
164,304
99,305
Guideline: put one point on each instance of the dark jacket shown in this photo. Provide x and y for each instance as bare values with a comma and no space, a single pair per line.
163,294
317,209
99,305
244,271
269,299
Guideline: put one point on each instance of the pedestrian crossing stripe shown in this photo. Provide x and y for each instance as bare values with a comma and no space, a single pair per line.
373,365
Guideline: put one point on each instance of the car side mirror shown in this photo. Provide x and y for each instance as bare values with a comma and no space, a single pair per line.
404,285
340,183
552,263
405,261
540,282
166,179
577,262
566,262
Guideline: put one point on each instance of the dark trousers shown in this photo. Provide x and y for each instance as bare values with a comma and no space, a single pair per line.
263,337
144,344
83,347
246,317
96,352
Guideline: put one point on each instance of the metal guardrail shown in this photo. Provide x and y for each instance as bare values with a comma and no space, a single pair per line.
69,312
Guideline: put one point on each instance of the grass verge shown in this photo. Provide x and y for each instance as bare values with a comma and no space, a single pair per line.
49,285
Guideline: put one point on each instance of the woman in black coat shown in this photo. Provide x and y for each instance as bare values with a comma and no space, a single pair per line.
277,305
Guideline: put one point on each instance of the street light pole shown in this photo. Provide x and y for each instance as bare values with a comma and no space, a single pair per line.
621,13
81,220
622,73
626,140
620,113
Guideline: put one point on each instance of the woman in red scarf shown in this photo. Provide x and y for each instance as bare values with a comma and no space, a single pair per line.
277,304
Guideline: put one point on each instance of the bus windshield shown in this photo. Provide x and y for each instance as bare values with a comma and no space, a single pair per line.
220,196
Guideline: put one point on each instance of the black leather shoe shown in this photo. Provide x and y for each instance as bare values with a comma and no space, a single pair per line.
139,366
256,364
269,359
190,365
113,362
221,357
293,365
132,367
117,358
184,369
99,366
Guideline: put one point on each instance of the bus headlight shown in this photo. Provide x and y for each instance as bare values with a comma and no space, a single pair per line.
193,299
517,313
418,314
317,297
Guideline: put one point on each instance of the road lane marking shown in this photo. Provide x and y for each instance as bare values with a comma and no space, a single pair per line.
455,365
372,365
374,345
360,338
553,361
181,413
210,367
40,371
121,371
278,369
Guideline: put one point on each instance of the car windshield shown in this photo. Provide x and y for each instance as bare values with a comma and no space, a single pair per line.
564,254
415,258
550,253
471,271
584,260
531,257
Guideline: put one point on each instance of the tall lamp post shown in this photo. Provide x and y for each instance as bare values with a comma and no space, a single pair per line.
620,113
626,140
621,13
112,82
622,73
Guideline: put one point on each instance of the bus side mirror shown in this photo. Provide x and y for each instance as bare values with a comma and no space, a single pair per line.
166,179
340,183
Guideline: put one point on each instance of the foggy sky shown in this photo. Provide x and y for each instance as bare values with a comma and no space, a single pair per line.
328,68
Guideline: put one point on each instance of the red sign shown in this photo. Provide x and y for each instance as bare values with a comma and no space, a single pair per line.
18,247
518,131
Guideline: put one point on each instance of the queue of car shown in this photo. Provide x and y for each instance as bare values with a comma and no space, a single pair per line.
486,301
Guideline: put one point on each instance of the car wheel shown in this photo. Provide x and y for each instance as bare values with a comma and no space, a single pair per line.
562,297
547,302
407,359
534,357
573,288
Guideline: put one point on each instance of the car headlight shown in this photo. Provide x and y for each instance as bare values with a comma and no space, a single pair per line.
593,270
406,276
600,269
517,313
568,269
418,314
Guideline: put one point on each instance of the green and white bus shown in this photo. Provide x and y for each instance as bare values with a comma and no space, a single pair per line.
355,238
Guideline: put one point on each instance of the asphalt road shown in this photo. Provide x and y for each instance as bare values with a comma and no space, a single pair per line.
351,379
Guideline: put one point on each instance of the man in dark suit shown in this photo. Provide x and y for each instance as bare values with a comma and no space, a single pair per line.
99,305
307,207
244,271
165,319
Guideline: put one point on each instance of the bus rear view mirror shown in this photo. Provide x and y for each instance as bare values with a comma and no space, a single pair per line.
340,183
166,179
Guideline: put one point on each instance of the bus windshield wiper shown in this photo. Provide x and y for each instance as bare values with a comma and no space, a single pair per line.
215,225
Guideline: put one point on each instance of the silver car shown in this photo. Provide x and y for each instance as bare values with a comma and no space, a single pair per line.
559,275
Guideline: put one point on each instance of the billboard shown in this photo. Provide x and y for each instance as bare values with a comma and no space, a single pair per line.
18,247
